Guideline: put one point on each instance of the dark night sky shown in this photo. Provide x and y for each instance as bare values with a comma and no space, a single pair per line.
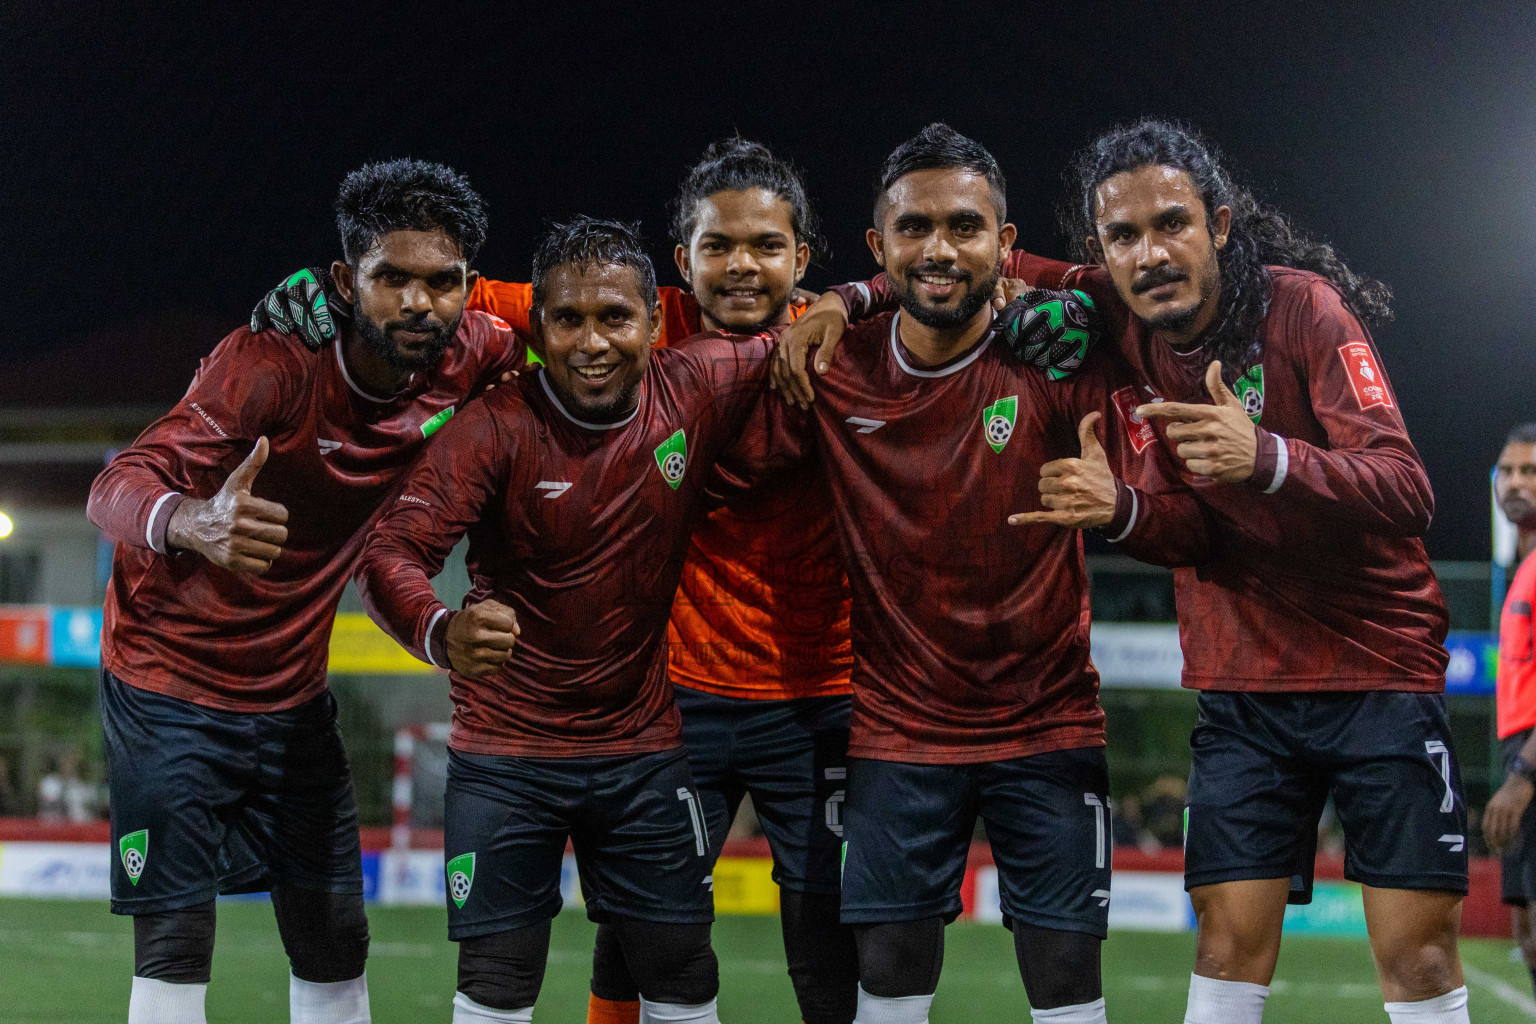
159,170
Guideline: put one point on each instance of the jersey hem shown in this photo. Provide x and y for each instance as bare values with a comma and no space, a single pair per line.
933,754
840,687
194,694
1315,684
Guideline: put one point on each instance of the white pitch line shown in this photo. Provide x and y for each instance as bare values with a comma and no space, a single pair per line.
1496,987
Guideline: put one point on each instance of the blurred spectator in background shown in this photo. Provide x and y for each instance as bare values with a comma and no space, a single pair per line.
9,805
1162,811
63,796
1508,824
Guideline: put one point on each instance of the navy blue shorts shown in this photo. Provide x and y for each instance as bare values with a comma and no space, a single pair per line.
206,801
1264,764
909,829
642,848
792,756
1517,866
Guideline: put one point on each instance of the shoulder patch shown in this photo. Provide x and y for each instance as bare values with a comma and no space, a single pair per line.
1138,430
1365,375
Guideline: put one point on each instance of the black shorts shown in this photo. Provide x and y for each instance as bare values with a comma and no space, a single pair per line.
792,756
642,848
1517,866
909,830
1264,764
206,801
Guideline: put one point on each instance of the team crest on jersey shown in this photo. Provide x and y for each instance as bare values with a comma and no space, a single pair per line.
672,458
461,877
1364,375
997,420
134,849
1250,391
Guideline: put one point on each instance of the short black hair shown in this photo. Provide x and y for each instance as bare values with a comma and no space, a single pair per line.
1525,433
408,195
590,242
736,164
939,145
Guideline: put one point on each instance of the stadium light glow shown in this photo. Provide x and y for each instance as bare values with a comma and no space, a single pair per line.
6,526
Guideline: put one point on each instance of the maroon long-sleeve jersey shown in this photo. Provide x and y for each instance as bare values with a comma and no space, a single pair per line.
581,529
177,624
1322,582
970,635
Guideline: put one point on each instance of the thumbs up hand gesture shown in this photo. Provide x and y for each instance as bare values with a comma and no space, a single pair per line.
234,530
1217,440
1077,493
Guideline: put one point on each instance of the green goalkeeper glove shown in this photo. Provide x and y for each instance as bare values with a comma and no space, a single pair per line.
306,304
1051,329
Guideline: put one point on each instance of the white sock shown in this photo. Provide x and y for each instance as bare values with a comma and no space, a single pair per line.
1212,1001
692,1013
467,1011
899,1010
1450,1008
333,1002
1082,1013
160,1002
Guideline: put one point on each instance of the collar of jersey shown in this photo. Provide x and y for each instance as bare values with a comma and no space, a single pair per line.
554,400
981,346
353,384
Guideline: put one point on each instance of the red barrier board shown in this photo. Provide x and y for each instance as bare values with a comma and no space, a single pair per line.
24,635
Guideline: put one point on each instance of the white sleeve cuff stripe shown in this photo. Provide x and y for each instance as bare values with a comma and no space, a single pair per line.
863,292
426,644
1135,512
154,513
1282,465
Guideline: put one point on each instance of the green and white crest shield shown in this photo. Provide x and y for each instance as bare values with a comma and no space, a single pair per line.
133,848
672,458
461,877
1250,391
997,420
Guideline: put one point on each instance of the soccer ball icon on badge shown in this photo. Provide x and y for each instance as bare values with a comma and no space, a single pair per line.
999,430
672,467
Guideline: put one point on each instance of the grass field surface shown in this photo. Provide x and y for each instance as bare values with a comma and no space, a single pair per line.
71,961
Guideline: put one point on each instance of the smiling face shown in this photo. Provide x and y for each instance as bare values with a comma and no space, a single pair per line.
742,261
595,334
1153,235
407,295
941,245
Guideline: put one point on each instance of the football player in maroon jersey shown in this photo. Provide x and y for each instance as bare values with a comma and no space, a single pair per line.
238,516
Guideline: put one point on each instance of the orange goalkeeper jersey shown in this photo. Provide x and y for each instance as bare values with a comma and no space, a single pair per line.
762,608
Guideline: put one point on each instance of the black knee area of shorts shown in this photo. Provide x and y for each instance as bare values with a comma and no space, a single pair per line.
823,960
325,934
901,958
1059,968
175,946
671,963
611,979
506,970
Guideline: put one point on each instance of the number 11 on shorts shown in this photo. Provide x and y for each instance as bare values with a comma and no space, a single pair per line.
1092,800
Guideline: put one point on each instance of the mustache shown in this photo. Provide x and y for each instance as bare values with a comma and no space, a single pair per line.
1156,278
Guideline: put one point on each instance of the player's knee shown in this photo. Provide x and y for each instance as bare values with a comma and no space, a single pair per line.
1421,969
325,934
175,946
902,958
1060,968
823,963
506,970
670,963
611,979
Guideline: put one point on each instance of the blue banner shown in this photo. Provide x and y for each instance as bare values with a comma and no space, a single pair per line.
76,636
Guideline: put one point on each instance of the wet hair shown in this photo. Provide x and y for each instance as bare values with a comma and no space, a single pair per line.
939,145
1261,235
1525,433
408,195
589,242
735,165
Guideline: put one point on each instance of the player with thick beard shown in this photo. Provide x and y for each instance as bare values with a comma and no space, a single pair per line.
974,694
238,517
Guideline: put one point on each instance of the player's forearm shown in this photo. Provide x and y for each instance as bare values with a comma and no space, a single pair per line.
1170,530
1383,491
131,502
396,590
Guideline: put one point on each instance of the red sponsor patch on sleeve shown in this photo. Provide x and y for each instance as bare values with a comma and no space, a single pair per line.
1137,429
1365,375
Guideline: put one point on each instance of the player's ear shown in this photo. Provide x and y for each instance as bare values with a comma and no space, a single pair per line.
341,274
1221,225
876,242
802,260
1095,250
658,318
684,260
471,277
1006,236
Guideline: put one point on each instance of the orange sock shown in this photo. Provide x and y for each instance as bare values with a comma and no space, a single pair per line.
612,1011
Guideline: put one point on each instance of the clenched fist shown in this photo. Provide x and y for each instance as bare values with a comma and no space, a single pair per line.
481,638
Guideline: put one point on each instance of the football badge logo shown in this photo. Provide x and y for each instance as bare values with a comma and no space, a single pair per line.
997,419
1250,391
134,849
672,458
461,877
